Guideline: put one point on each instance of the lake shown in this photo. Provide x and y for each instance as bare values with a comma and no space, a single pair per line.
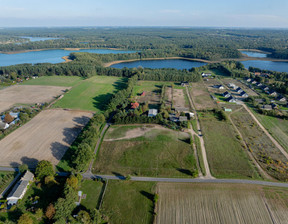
267,65
48,56
171,63
254,54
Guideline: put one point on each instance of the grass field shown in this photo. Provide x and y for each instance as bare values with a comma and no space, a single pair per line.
263,149
226,156
149,86
5,179
127,202
68,81
146,151
220,204
92,189
278,128
92,94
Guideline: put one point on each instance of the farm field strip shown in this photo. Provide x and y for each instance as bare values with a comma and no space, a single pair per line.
25,94
219,203
47,136
226,156
268,156
67,81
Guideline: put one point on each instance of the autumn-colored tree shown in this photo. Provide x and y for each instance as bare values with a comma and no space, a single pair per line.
8,118
25,219
72,181
50,211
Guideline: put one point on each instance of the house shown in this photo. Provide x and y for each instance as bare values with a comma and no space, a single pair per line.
14,115
206,74
265,88
143,93
259,84
226,94
219,87
227,109
20,188
183,84
3,125
274,105
182,118
259,100
281,98
273,93
232,85
248,79
231,99
152,113
191,115
254,82
173,118
266,107
244,94
239,90
134,105
257,73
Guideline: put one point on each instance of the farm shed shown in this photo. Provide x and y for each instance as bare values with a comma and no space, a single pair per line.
182,118
3,125
20,188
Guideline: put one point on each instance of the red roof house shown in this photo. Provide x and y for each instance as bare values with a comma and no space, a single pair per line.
134,105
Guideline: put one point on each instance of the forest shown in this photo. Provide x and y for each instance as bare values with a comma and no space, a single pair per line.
202,43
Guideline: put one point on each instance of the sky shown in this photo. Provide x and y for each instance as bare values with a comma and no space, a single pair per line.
194,13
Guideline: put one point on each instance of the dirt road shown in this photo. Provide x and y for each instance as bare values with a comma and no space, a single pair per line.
204,155
266,132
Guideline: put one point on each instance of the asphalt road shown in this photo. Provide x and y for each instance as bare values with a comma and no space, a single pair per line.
187,180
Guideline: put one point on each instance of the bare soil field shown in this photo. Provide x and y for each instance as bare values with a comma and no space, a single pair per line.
168,96
47,136
220,204
28,95
201,96
179,100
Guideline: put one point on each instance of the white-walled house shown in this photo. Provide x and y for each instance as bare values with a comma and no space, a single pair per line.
20,188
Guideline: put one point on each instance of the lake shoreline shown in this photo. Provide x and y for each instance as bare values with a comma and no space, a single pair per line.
108,64
65,49
255,50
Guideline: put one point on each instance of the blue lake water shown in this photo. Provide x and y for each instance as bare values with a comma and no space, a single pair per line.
254,54
48,56
267,65
173,63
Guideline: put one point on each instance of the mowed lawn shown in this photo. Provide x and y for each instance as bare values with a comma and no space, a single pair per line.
68,81
92,189
157,152
92,94
278,128
226,156
149,86
128,202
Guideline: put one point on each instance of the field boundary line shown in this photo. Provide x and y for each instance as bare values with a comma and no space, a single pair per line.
282,150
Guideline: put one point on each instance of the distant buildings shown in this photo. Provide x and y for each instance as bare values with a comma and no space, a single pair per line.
226,94
134,105
206,74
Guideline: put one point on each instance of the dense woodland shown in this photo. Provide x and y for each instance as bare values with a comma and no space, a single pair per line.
202,43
